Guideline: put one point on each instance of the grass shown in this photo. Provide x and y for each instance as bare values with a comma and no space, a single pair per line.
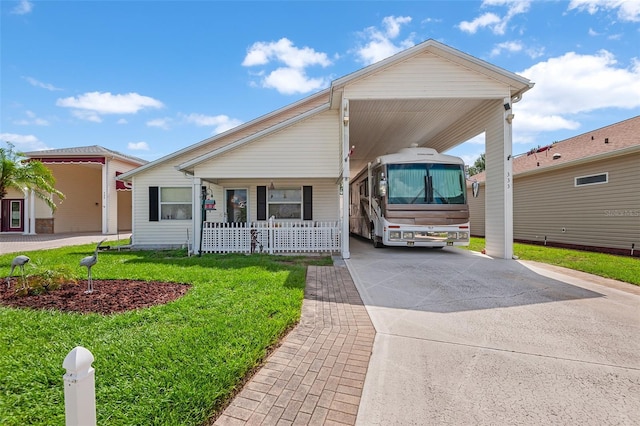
621,268
173,364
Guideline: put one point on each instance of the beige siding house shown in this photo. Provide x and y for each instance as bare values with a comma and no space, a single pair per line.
284,177
582,192
94,200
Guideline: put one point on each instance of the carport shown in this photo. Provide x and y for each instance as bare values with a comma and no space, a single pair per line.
430,95
437,97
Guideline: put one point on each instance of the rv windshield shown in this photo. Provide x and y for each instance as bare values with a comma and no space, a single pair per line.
420,183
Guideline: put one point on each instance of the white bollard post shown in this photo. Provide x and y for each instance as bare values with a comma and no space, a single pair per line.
79,388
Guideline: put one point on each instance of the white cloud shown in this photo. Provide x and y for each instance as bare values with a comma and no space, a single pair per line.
628,10
138,146
22,8
510,46
284,51
31,120
89,106
492,21
220,123
122,121
380,43
162,123
290,81
295,59
573,84
23,143
486,20
32,81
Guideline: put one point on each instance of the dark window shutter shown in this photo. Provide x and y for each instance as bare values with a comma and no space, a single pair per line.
262,202
153,204
307,203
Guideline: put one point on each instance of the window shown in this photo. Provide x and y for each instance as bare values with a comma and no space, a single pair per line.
175,203
290,203
425,183
592,179
285,203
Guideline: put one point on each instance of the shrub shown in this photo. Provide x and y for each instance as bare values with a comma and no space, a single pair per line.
43,280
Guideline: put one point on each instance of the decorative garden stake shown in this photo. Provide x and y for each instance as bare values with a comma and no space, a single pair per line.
18,261
89,261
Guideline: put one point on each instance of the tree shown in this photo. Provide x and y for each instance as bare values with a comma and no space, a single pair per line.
19,172
478,166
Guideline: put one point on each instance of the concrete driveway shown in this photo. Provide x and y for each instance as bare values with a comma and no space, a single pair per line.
465,339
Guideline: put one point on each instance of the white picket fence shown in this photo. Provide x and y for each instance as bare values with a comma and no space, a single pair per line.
271,237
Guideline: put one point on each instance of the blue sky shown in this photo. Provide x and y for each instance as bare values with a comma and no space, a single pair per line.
147,78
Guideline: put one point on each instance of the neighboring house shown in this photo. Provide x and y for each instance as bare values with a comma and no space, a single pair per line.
582,192
294,164
94,200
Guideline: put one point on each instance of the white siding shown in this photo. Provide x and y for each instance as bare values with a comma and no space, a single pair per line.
174,233
325,195
161,233
306,149
425,76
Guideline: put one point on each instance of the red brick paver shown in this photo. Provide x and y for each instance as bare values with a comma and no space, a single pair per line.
316,376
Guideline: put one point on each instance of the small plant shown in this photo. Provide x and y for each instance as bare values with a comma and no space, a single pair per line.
43,280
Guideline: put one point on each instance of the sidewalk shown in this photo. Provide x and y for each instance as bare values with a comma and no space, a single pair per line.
16,243
316,376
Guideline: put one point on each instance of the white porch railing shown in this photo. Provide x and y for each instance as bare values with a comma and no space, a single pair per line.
271,237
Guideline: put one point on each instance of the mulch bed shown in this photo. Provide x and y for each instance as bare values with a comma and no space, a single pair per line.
108,297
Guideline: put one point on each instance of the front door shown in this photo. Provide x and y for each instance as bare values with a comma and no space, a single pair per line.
236,204
12,216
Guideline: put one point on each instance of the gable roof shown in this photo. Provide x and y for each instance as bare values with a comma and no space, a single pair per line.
83,152
608,141
330,98
245,130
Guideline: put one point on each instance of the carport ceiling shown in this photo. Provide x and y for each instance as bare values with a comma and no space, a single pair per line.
384,126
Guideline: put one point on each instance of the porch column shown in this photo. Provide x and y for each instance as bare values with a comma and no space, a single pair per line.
29,213
105,197
32,212
197,215
499,183
346,175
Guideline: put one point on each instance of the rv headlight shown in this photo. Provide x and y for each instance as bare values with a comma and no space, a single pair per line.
394,235
452,235
463,235
407,235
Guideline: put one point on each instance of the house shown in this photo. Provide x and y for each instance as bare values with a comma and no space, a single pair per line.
94,200
582,192
283,178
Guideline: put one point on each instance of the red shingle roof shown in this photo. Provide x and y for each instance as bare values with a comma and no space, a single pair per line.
606,140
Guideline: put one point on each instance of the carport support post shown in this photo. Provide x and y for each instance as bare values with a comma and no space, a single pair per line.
499,182
346,175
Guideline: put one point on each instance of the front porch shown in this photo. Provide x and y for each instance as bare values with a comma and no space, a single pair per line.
271,237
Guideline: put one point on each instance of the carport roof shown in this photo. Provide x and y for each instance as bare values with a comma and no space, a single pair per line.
427,118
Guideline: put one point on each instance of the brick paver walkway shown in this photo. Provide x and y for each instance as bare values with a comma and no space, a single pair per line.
316,376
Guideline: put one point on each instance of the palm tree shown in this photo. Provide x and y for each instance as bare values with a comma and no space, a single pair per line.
18,172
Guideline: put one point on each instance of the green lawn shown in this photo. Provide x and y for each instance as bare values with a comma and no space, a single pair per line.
621,268
166,365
